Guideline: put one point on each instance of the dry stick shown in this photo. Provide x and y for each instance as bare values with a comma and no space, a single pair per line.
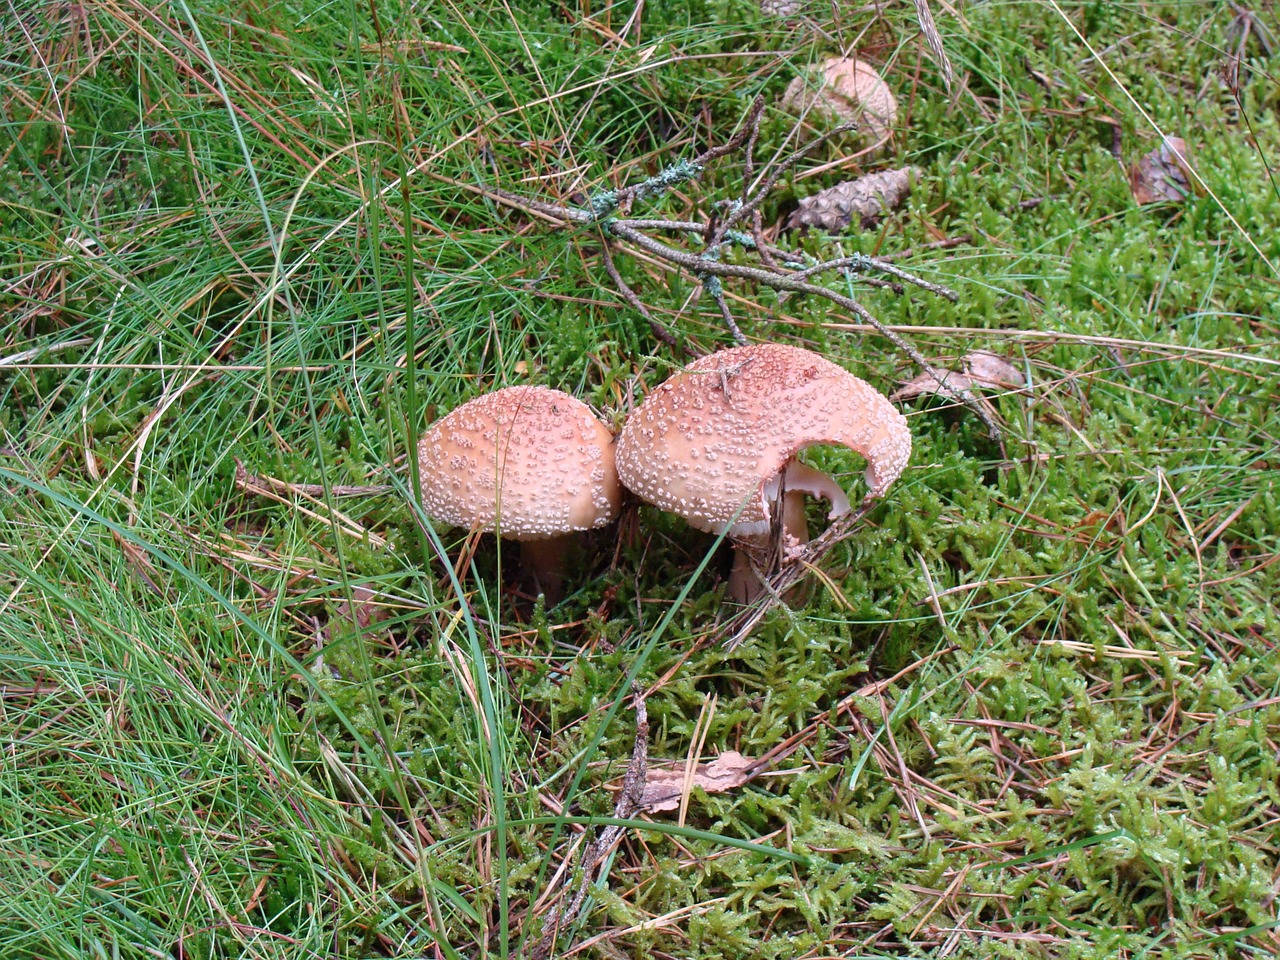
709,264
688,226
718,295
757,197
605,203
768,252
762,248
656,327
860,262
748,165
630,800
708,267
749,123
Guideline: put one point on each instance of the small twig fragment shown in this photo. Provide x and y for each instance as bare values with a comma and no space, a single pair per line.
629,802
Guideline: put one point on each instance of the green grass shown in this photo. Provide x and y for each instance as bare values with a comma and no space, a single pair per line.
1031,711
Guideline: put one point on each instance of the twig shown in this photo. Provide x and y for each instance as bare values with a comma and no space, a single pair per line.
701,265
603,208
629,802
712,285
656,327
779,170
860,263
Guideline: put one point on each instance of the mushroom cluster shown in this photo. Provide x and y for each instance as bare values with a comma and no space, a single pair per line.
716,444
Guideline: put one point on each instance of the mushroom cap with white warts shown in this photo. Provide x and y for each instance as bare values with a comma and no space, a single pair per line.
529,462
707,442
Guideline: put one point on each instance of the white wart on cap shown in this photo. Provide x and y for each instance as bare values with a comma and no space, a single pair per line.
530,463
716,441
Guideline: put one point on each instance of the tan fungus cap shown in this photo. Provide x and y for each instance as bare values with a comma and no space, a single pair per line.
710,440
533,461
846,89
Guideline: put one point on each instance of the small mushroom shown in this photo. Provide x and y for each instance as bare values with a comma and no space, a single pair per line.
845,89
716,444
528,463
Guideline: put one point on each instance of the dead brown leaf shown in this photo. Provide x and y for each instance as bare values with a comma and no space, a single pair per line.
1163,175
987,369
370,608
934,382
663,788
863,199
982,368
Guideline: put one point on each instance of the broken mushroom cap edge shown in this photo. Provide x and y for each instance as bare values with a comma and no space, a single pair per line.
716,442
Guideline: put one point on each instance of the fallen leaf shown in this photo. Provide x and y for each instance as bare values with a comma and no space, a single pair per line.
370,608
982,368
987,369
847,90
1163,175
934,382
864,199
663,788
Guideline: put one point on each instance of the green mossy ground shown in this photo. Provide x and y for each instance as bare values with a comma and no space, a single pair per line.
1033,707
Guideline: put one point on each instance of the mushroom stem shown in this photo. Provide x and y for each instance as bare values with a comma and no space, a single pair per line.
744,586
797,480
795,521
542,566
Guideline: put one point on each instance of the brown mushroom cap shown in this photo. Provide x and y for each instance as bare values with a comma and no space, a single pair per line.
846,89
707,443
529,462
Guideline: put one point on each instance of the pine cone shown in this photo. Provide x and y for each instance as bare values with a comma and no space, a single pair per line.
863,199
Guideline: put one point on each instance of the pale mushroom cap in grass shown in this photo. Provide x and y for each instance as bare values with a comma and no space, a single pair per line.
846,89
707,442
529,462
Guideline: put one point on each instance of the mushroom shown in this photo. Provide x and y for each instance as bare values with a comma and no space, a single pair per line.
529,463
717,442
845,89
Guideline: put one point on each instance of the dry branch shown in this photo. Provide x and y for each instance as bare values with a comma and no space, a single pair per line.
783,272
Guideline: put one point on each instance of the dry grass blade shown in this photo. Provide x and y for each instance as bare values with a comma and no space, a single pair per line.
282,491
630,800
796,567
934,39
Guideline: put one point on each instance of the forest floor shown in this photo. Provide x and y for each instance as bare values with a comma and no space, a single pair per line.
249,252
